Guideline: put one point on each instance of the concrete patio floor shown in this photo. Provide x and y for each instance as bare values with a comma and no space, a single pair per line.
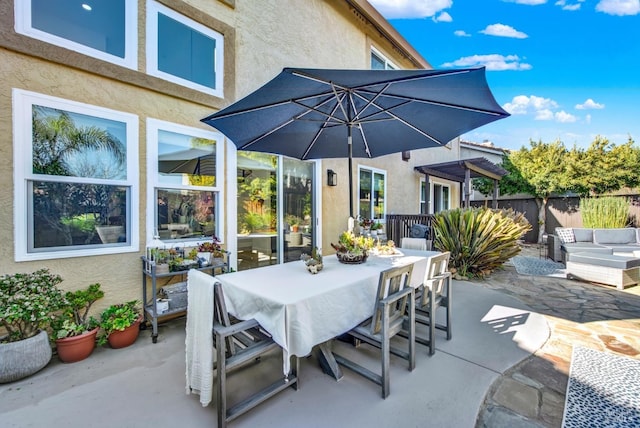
506,366
144,385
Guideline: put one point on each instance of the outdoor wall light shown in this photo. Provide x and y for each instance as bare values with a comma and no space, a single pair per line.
332,178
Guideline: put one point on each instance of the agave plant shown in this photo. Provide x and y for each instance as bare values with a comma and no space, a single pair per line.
479,239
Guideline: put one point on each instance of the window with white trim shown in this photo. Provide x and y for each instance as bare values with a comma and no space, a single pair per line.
107,30
372,190
184,51
184,170
440,197
380,62
76,175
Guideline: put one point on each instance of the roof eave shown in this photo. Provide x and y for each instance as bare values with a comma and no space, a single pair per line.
390,33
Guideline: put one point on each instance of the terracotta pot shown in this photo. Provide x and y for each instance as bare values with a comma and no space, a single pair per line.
121,339
76,348
24,358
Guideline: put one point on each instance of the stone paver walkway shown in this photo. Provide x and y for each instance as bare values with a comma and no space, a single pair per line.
532,394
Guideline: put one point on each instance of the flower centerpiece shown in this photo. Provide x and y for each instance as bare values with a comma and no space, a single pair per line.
353,249
313,262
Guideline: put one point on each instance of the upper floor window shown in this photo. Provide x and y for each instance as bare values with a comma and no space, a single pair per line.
380,62
183,51
75,171
372,190
107,30
184,182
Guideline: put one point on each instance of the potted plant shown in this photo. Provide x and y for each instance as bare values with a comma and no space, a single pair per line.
353,249
120,324
27,304
74,330
313,262
214,249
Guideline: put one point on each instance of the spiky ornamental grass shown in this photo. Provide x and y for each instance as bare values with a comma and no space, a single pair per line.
480,239
608,212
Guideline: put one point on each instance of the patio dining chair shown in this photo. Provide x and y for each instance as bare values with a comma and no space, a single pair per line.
414,244
394,295
237,345
434,293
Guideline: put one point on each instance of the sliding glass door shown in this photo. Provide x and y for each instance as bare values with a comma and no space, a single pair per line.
275,209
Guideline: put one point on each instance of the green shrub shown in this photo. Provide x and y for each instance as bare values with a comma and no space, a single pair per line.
607,212
479,239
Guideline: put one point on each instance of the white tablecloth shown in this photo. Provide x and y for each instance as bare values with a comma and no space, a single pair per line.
301,310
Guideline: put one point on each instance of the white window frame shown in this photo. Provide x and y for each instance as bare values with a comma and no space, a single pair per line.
130,60
373,170
421,201
153,183
388,64
433,192
153,8
23,102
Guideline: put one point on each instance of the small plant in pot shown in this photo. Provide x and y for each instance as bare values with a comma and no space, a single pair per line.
28,302
74,330
120,324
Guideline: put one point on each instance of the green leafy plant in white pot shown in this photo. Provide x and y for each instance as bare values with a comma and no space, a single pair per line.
28,302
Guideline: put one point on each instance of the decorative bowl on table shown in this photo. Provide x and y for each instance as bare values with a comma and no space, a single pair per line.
350,258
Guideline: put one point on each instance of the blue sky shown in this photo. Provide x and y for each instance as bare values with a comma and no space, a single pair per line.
566,70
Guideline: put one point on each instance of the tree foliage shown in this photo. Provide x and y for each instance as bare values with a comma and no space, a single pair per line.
604,167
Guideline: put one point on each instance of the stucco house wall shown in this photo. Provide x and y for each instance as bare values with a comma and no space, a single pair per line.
260,38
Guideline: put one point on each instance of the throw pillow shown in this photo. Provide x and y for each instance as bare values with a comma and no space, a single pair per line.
566,235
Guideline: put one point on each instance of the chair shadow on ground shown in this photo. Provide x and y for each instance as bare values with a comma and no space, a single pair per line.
507,324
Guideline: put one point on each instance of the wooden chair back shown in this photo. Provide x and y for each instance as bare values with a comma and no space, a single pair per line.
437,276
391,281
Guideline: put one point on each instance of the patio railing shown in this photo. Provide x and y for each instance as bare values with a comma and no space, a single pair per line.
399,225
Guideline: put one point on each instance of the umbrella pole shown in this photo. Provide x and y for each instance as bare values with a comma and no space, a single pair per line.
350,147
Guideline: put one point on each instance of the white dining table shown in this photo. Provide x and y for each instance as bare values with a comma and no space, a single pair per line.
301,310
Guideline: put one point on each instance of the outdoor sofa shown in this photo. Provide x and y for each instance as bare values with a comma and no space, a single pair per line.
570,240
607,256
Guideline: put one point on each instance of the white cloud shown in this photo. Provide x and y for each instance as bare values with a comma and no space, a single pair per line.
443,17
570,7
544,114
589,104
493,62
619,7
523,104
461,33
502,30
587,119
564,117
538,107
398,9
527,2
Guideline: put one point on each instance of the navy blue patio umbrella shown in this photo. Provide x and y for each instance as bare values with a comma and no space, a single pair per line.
325,113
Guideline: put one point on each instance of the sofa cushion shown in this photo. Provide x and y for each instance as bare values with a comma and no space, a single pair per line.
608,260
580,247
614,236
628,248
582,234
565,234
638,235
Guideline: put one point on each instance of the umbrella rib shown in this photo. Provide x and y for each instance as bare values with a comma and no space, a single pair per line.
325,125
293,119
369,102
436,103
301,74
